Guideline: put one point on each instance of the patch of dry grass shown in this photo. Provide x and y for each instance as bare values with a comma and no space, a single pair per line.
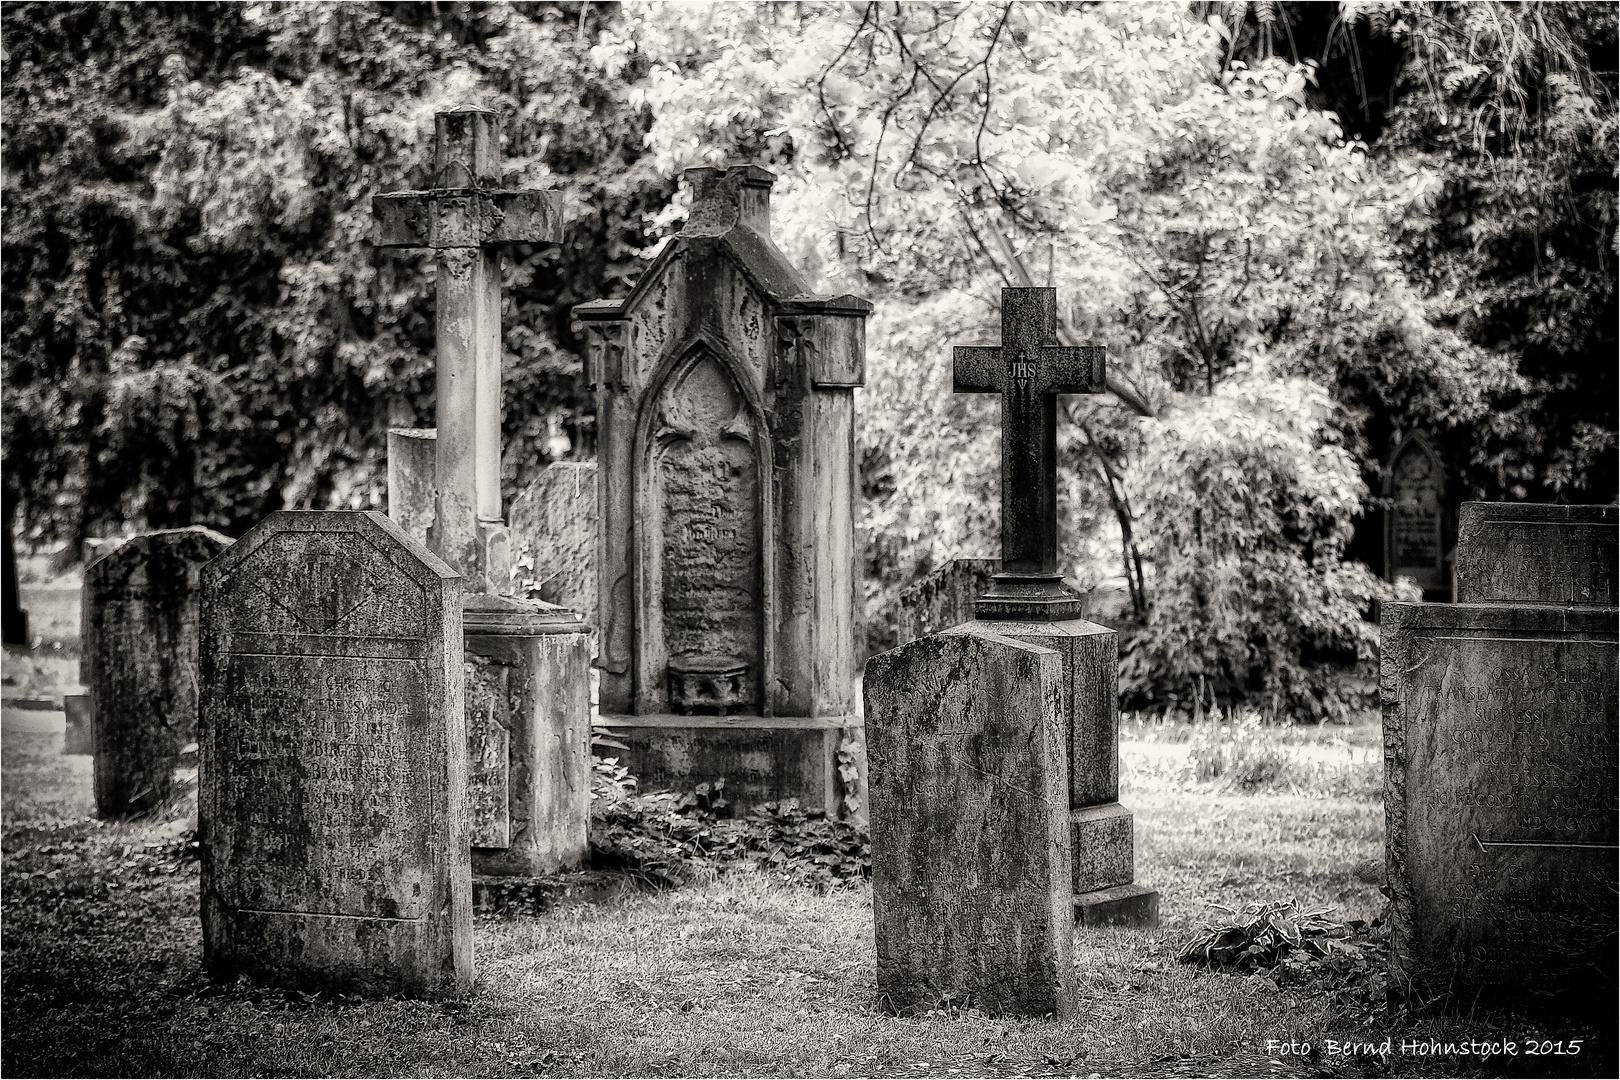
740,977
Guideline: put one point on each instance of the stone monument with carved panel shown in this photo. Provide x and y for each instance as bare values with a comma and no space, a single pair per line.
728,583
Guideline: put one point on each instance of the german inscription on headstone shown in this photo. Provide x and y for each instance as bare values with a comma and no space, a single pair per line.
1529,553
139,662
971,877
332,760
1415,524
1500,793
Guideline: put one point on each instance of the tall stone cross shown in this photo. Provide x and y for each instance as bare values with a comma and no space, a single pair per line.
465,218
1029,370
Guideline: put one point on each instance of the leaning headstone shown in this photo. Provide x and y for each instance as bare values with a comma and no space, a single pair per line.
944,598
332,760
969,787
1500,792
139,662
1530,553
554,536
729,574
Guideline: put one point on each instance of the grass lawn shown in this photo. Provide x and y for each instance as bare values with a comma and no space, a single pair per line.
739,977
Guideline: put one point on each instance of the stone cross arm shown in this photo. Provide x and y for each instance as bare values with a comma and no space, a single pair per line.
1047,369
467,208
467,218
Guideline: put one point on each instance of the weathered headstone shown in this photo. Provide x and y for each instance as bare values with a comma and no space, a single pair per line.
1500,792
969,788
332,760
554,528
526,664
1415,525
916,694
1527,553
728,585
944,598
139,662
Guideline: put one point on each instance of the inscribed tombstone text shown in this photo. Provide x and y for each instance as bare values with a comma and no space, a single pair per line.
1534,553
332,760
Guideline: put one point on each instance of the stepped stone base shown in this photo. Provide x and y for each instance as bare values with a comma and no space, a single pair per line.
1135,906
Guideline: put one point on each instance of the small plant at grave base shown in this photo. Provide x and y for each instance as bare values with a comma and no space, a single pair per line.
1284,945
677,837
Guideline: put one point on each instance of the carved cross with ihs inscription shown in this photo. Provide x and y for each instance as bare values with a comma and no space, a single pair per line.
465,218
1029,369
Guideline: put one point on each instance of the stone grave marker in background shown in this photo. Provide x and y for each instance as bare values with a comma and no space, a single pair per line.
527,664
138,662
1534,553
726,461
78,733
1416,526
985,694
554,536
1500,793
332,760
969,784
944,598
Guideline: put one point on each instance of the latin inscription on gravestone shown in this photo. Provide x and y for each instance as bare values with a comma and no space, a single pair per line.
708,505
1500,791
332,760
139,662
972,889
1532,553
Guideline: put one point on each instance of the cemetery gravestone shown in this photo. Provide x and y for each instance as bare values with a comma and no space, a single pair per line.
945,598
554,534
78,734
1529,553
332,760
969,816
139,662
526,664
728,591
1500,788
918,691
1415,525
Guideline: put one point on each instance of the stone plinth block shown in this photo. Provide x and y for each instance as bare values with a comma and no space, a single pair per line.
528,737
332,760
1090,683
1500,792
969,798
1135,906
1104,847
139,662
761,759
411,490
1529,553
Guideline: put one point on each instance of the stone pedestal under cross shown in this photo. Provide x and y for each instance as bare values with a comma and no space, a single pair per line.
465,218
526,663
1029,370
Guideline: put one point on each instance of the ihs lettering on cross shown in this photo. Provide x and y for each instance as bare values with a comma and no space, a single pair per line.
1029,369
465,218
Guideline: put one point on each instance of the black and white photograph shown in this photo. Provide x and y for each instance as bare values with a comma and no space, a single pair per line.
906,539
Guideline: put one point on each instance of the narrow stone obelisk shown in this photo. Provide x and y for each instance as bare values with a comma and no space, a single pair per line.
528,696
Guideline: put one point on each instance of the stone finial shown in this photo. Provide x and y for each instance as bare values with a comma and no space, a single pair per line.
724,198
467,148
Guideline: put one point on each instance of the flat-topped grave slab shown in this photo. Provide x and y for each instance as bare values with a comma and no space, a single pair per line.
1531,553
972,892
1500,793
332,760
